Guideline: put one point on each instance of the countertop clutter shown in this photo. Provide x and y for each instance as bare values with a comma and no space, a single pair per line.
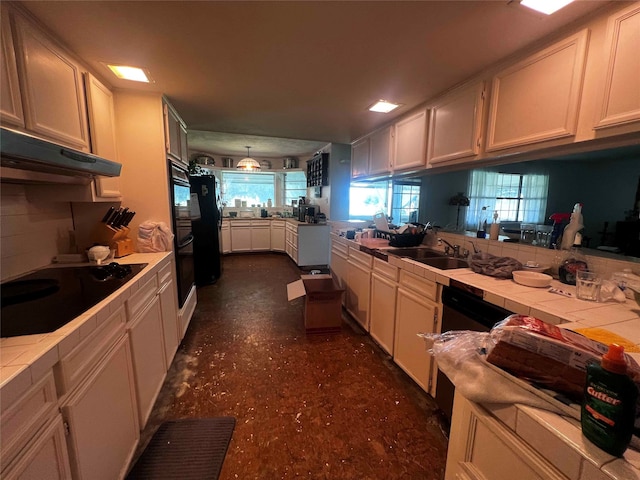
555,438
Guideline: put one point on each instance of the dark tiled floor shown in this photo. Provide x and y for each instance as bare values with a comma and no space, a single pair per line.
322,406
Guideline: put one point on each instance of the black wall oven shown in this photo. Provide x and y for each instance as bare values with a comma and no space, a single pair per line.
183,212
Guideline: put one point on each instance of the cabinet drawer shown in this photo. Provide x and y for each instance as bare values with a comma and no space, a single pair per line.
384,269
81,360
362,258
142,297
261,223
24,417
241,224
277,224
419,285
340,248
164,275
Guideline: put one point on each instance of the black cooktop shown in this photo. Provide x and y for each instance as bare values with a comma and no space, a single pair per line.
43,301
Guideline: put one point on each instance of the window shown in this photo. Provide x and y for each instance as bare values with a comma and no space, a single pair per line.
256,188
404,203
294,186
399,200
516,197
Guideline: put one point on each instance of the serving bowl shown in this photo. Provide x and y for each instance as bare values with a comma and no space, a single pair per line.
531,279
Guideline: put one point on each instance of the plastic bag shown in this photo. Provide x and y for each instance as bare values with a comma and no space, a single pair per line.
493,266
460,355
154,237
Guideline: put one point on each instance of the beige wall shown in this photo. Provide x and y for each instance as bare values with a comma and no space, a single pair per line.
31,232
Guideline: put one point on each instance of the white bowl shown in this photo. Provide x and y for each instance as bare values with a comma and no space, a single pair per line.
532,279
535,267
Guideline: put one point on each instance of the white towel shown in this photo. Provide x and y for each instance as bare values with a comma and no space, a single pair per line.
154,237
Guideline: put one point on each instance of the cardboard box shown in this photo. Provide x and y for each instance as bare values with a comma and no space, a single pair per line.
323,302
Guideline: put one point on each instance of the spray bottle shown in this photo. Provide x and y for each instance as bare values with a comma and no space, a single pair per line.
575,225
609,404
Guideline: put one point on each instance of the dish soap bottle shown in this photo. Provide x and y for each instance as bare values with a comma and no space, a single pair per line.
609,404
573,261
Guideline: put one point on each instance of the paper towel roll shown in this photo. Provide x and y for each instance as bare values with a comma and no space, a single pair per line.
494,230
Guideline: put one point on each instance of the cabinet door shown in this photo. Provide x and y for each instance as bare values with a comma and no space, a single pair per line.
411,142
226,239
147,350
454,126
358,288
360,158
52,89
45,457
184,151
529,104
383,311
339,265
10,100
103,133
260,239
277,239
413,315
169,308
240,239
480,447
173,131
621,102
381,151
102,419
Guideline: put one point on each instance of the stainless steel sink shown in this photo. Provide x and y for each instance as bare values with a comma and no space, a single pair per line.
430,257
444,263
416,253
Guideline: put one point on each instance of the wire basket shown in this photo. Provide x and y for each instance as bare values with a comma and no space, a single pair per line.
401,239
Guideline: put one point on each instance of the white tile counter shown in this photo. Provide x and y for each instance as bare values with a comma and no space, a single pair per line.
25,359
558,439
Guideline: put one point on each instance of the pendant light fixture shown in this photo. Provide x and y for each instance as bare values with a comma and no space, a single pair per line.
248,163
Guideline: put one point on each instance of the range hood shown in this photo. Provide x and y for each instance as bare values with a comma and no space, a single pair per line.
27,159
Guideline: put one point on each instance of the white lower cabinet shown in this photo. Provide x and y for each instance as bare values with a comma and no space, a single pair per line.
170,325
241,236
148,352
102,418
359,286
415,313
45,457
339,258
277,236
384,291
260,235
226,237
482,448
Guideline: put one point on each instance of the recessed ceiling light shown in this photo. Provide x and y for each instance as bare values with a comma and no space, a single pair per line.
546,6
130,73
383,106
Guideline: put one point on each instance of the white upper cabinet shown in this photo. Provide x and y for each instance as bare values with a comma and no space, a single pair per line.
103,135
175,133
455,124
410,142
10,101
52,88
381,151
537,98
621,95
360,151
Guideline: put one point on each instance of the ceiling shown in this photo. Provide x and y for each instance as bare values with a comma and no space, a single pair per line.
267,73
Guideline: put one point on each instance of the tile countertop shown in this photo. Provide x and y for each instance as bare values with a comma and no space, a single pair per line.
25,359
554,436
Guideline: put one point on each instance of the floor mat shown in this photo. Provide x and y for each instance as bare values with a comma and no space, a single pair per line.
191,448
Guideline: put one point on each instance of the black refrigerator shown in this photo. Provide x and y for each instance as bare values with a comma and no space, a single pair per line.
207,245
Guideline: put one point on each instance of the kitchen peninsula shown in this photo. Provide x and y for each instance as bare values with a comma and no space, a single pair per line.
495,441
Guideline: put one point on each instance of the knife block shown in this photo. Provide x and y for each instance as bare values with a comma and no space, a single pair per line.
116,238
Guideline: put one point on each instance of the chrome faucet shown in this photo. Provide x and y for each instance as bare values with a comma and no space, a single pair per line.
455,248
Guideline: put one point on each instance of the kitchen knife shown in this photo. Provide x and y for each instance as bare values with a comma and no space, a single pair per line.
107,215
128,219
121,217
115,218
